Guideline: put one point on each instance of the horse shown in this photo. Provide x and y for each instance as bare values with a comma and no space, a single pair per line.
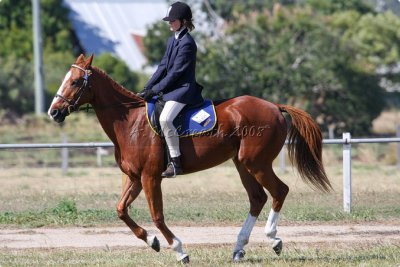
251,131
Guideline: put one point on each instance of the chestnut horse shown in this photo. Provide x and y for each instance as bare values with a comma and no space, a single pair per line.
250,131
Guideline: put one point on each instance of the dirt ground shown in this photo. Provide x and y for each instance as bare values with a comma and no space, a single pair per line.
388,233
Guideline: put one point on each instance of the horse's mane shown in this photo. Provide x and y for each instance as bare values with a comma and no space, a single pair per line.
120,88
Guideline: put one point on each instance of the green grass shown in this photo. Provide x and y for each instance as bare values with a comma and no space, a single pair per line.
36,197
201,209
257,255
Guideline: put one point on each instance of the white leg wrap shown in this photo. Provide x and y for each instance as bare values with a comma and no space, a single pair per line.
270,228
177,247
150,240
244,234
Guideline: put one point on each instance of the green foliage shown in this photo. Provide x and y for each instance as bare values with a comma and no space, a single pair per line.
56,65
16,27
60,49
57,28
16,85
232,10
65,210
310,54
16,51
296,56
329,6
360,95
118,70
155,42
376,37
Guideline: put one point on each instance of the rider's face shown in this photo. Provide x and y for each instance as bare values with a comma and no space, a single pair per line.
175,25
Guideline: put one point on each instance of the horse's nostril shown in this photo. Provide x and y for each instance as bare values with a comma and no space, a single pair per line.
54,112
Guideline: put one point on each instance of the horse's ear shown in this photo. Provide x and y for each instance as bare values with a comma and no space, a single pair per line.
80,59
89,61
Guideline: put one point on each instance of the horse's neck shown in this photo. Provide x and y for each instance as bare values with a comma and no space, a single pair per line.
116,108
107,91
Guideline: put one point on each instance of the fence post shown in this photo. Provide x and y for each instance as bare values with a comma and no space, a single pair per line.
347,172
398,146
282,159
64,155
100,152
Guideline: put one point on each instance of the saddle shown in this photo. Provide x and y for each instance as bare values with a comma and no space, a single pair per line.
192,120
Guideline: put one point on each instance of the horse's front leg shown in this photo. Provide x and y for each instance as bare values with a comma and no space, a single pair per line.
131,190
152,189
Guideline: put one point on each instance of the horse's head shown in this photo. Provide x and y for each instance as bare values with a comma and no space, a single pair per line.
74,90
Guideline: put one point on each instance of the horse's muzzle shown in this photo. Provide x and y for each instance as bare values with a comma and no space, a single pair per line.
58,115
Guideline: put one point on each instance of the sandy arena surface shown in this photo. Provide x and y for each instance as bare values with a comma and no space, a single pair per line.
92,237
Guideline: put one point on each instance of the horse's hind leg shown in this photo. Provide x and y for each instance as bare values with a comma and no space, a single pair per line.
257,198
129,193
278,190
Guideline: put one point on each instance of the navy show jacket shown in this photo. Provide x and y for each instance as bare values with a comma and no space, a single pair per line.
175,76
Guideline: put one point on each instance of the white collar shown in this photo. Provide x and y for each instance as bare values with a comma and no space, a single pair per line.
179,32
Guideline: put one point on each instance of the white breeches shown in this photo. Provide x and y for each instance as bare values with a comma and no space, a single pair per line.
167,116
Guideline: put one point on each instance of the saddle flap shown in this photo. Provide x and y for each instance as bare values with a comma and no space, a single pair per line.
192,120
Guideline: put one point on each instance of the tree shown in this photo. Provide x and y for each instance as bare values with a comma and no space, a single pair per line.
376,42
155,42
329,57
118,70
60,50
293,56
233,10
330,7
16,89
16,51
56,66
16,28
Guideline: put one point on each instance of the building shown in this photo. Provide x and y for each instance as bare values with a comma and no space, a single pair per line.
115,26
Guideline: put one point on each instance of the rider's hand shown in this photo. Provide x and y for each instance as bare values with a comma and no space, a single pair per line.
141,94
147,94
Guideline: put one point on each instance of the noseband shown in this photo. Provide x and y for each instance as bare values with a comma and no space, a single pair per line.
72,103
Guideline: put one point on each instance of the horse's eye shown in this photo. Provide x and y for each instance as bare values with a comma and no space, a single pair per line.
74,83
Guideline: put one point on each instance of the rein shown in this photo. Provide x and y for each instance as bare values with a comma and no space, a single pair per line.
71,103
127,104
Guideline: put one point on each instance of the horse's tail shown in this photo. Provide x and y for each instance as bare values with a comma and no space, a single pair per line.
305,148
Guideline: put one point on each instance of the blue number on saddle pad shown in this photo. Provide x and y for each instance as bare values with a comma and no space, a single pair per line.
191,121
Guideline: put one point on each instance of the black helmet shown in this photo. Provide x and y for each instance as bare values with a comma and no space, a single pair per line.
178,10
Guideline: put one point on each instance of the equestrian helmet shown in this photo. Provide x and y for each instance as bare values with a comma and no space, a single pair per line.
178,10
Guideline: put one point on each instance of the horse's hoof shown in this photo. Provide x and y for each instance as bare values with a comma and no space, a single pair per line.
277,246
185,260
238,255
156,244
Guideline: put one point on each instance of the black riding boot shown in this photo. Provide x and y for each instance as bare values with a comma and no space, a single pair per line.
174,168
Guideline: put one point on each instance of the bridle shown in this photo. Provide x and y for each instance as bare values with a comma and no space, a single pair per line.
72,103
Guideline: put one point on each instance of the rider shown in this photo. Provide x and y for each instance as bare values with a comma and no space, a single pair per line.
175,79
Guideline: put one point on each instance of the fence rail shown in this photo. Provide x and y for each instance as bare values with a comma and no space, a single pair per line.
56,145
346,141
109,144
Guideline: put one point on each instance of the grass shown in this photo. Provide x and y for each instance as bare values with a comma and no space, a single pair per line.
257,255
200,210
37,197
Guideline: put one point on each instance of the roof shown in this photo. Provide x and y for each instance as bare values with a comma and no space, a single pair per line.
115,26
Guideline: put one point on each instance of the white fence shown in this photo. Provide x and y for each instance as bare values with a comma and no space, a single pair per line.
346,141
